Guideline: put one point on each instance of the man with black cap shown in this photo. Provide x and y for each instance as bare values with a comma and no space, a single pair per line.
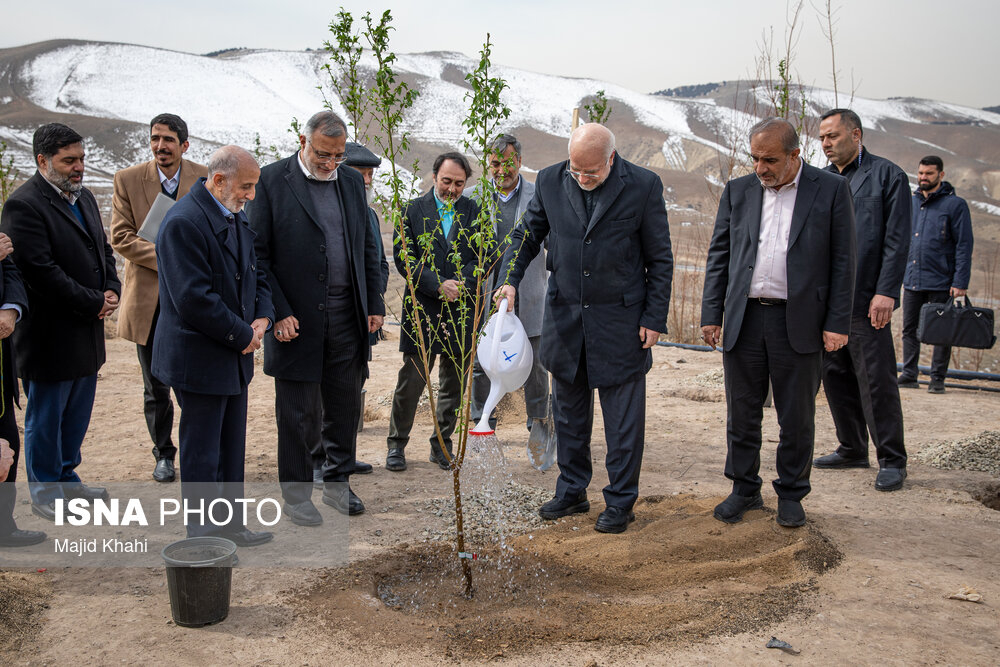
365,162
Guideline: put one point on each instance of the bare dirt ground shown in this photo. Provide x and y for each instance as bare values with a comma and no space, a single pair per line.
865,582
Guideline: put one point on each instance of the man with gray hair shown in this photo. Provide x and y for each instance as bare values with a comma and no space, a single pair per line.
510,199
215,306
780,282
320,256
606,305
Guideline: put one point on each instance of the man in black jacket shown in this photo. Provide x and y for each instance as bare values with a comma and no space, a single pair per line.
68,269
319,253
938,266
608,294
860,378
13,304
434,251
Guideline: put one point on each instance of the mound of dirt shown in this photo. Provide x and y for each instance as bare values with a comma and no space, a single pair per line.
975,452
677,575
23,598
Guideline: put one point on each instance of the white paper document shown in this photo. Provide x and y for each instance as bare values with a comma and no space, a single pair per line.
151,225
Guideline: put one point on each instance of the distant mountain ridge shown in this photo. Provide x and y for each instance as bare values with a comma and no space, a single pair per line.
106,91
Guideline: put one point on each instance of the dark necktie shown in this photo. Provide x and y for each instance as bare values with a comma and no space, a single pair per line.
588,200
232,242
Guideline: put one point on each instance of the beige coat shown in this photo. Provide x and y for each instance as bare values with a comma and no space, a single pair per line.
135,190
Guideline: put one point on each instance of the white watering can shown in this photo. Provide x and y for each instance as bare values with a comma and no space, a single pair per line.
504,354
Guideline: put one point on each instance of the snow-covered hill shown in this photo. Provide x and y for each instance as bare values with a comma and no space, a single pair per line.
233,97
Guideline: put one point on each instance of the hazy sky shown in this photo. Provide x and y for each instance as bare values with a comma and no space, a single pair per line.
940,50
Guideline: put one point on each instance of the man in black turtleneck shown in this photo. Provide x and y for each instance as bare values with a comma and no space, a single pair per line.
319,252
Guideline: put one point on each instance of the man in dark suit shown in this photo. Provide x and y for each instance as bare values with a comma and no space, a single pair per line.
215,306
443,285
318,253
136,188
860,379
68,270
13,303
609,290
780,278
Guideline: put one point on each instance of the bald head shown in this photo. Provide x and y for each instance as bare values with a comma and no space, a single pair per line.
232,177
592,137
591,154
228,160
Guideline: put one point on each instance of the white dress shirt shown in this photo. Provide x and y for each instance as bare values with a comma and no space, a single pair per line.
770,272
169,184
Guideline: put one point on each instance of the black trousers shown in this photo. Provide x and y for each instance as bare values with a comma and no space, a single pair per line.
318,421
410,384
212,433
762,353
156,404
8,431
860,384
624,409
912,302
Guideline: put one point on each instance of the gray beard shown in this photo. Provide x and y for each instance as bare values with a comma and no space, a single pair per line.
62,182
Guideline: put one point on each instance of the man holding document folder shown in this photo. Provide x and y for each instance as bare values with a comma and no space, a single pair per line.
142,196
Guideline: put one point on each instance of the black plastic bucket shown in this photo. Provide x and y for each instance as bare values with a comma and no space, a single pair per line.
199,576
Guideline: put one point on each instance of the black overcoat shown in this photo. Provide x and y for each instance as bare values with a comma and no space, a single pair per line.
609,275
66,269
208,299
291,250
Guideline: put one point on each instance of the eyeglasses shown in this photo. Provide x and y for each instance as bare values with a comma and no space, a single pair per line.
324,158
583,174
586,174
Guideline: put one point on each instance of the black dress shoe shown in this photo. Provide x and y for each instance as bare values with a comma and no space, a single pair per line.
22,538
790,513
614,520
164,471
249,538
361,468
439,459
344,502
890,479
395,460
732,509
44,510
560,507
936,387
836,461
907,382
303,514
86,492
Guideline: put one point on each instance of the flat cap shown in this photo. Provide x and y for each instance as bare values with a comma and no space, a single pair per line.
359,156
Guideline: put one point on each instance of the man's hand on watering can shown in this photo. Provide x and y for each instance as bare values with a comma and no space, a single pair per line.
506,292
